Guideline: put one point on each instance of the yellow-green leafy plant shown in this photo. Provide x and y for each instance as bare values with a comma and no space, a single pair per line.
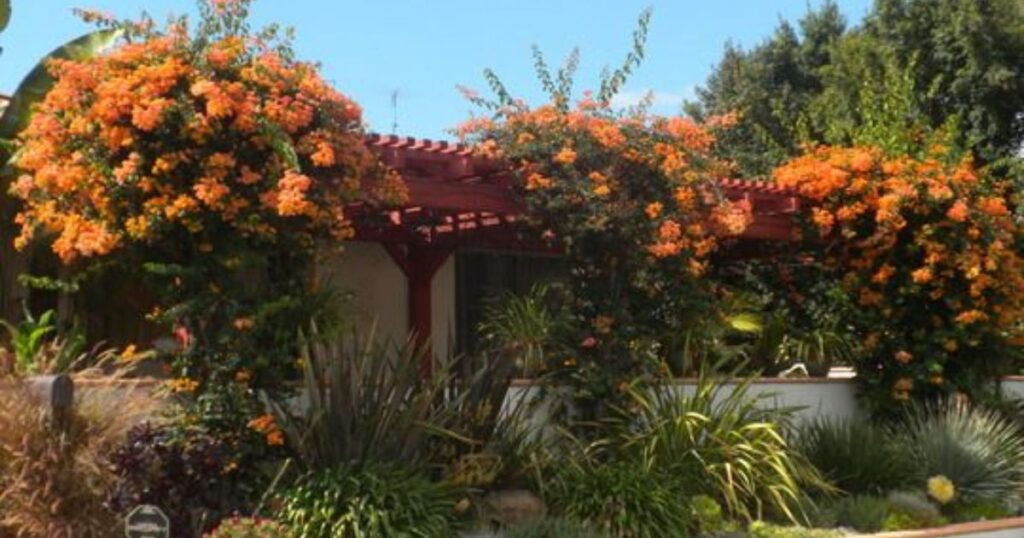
728,444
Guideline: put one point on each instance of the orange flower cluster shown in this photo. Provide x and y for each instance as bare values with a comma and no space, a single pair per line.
266,425
161,135
589,157
631,198
924,245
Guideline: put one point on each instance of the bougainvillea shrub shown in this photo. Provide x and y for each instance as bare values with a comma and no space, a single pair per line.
632,201
212,160
926,248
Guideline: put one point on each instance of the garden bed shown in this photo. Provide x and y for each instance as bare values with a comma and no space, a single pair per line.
1000,528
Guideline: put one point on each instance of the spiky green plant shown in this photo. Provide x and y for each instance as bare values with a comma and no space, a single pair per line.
978,449
368,502
857,456
623,498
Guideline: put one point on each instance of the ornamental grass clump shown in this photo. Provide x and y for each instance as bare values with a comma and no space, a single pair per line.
857,456
726,444
368,502
55,483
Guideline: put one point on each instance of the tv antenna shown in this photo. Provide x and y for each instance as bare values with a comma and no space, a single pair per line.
394,111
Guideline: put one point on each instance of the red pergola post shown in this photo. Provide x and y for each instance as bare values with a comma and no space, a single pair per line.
420,264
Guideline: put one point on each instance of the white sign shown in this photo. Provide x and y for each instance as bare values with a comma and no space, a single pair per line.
147,521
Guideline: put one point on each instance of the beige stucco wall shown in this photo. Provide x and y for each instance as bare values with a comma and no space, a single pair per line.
379,292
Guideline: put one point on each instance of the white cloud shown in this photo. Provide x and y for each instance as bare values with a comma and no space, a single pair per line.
661,101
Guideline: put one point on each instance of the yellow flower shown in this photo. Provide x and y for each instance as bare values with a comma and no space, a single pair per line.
129,354
183,384
602,190
941,489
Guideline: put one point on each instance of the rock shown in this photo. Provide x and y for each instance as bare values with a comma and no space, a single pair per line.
512,507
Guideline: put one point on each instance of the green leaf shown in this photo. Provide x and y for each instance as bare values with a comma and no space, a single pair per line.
747,323
39,81
5,13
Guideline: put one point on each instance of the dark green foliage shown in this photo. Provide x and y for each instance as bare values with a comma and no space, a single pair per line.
981,510
966,59
622,498
864,513
857,456
771,87
368,502
913,67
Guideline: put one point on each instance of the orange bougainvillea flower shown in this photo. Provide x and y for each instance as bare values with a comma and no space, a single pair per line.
122,149
921,244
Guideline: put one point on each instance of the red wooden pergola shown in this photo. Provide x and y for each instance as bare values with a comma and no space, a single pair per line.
459,200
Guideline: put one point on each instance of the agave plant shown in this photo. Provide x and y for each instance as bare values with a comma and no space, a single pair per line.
979,450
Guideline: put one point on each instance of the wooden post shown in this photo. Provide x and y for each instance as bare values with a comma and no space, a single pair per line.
420,264
57,394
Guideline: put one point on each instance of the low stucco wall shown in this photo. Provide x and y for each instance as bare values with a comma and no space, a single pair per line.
833,398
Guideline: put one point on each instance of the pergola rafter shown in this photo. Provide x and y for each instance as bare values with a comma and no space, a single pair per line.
461,200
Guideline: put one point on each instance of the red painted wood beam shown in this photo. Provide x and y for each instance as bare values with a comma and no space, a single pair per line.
458,196
420,264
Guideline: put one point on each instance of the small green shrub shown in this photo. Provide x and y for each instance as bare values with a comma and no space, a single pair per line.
368,502
979,450
864,513
760,529
709,516
551,528
911,510
621,498
248,527
857,456
981,510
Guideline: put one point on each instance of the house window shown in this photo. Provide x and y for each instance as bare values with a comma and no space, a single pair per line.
482,276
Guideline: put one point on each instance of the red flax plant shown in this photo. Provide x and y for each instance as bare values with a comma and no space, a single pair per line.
926,247
632,200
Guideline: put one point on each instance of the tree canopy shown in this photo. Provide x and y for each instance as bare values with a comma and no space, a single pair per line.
910,70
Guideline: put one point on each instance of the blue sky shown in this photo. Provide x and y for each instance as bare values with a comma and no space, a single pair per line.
422,48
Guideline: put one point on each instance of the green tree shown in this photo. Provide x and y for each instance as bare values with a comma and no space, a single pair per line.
968,60
771,86
913,68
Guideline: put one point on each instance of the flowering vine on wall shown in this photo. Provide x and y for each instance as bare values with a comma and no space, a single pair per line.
927,248
632,200
212,159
